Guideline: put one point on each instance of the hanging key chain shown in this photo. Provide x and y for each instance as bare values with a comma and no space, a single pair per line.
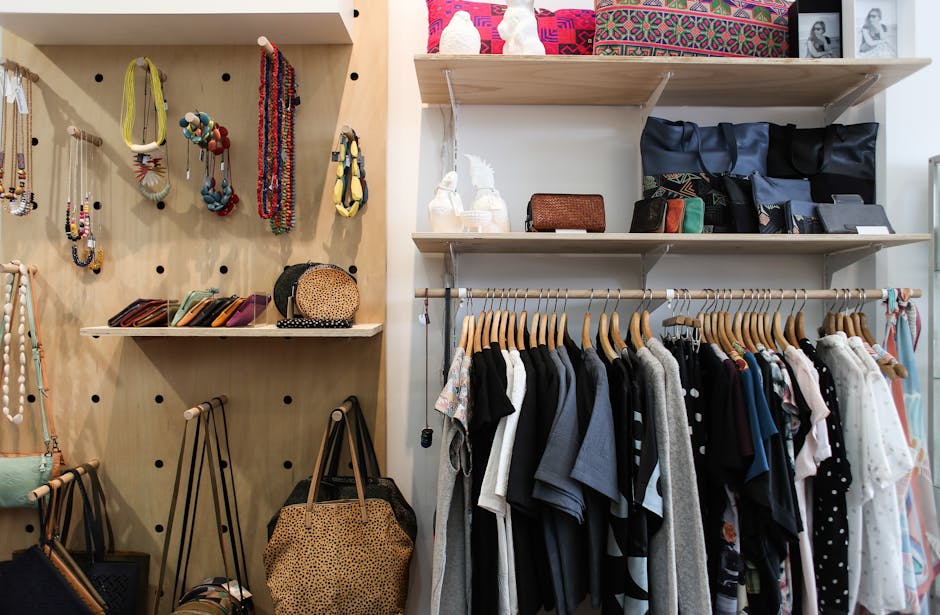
425,319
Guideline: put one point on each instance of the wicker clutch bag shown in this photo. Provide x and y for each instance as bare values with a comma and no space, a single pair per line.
328,293
552,212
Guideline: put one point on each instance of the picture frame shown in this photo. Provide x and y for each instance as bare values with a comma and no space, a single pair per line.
877,28
816,29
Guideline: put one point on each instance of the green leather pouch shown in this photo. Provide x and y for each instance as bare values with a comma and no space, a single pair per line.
694,220
194,297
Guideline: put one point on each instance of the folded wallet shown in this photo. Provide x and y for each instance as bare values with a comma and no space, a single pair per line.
649,216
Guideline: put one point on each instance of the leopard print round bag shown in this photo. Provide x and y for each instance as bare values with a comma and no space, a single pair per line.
327,293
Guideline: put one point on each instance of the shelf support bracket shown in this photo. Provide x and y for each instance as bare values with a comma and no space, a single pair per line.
453,117
649,259
834,262
451,263
647,107
833,110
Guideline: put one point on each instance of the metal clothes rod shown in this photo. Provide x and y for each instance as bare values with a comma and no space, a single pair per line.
84,135
62,480
665,294
205,406
19,68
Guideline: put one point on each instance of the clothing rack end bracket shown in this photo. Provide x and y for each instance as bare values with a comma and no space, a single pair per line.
647,107
833,110
649,259
834,262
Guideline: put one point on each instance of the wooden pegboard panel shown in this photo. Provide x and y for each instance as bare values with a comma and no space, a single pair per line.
279,390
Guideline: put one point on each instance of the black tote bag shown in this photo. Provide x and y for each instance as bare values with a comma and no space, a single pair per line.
120,577
837,159
685,147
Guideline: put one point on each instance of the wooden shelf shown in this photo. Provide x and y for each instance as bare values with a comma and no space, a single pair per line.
175,22
643,243
358,330
605,80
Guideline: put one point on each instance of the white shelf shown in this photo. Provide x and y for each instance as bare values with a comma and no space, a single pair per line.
358,330
175,22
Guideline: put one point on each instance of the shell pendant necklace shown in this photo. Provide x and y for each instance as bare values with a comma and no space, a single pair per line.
9,299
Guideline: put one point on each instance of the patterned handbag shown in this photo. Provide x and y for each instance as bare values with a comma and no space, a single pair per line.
342,545
743,28
717,215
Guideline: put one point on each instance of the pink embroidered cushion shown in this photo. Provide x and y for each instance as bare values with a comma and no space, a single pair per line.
563,32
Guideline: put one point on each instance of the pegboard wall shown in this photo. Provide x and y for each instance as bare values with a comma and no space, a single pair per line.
121,399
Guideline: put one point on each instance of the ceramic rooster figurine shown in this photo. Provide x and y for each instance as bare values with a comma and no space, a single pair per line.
487,198
460,36
445,208
520,29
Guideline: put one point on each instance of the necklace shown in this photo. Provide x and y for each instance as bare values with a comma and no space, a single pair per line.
149,166
10,299
81,228
277,98
21,198
213,141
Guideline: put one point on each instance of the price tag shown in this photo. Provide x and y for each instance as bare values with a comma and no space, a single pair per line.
872,230
21,105
424,319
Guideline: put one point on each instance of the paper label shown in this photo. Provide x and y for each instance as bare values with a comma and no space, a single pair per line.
233,588
21,105
872,230
571,231
8,90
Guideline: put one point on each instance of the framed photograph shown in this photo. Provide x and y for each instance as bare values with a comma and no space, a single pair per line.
876,28
816,29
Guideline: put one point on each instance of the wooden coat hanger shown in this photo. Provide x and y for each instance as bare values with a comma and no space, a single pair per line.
534,332
551,330
790,329
724,329
586,325
562,323
645,320
603,333
636,334
740,325
615,335
520,331
704,318
778,337
465,332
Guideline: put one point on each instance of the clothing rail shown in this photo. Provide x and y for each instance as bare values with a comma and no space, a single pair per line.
62,480
665,294
215,402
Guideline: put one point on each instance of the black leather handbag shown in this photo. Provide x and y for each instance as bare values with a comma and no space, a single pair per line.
120,577
837,159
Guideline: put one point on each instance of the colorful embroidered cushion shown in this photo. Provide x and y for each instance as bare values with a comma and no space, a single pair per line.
744,28
564,32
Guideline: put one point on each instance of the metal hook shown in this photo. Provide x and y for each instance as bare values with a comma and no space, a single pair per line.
606,301
564,306
590,301
619,295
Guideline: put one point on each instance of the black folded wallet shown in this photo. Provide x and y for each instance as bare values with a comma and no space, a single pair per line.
649,216
847,218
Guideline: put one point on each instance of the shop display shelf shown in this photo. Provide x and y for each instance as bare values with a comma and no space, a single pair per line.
649,81
175,22
258,331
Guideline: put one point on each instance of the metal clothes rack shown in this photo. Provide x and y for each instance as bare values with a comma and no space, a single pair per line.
666,294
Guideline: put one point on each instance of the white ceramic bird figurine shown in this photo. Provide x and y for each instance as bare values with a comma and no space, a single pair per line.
460,36
520,29
445,208
487,198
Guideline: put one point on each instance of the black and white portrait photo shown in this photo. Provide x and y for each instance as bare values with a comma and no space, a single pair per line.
820,35
876,28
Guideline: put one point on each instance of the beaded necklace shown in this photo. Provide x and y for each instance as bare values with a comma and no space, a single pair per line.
277,98
21,197
91,255
10,299
149,166
213,141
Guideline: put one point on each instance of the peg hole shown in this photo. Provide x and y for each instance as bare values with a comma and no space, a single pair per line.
95,398
158,399
158,463
160,269
97,205
288,400
158,528
354,76
161,205
99,78
226,77
288,464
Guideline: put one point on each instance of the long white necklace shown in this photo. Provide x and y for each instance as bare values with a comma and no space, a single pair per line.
7,339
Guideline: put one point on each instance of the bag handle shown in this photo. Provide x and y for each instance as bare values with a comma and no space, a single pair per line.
825,152
364,446
338,414
731,145
39,359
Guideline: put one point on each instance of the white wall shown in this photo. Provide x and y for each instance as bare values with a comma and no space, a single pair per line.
580,149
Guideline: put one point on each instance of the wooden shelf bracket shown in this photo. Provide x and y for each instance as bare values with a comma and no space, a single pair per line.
647,107
649,259
833,110
834,262
451,263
